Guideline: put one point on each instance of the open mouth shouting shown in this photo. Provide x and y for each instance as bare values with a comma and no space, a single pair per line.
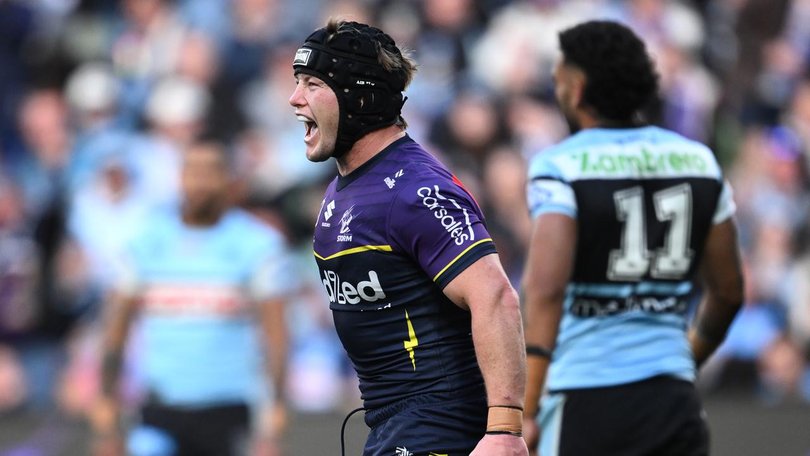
311,128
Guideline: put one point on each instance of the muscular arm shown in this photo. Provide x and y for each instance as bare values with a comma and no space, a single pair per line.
549,264
496,328
498,337
721,272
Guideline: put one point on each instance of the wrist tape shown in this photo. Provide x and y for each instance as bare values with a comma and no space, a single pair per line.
505,419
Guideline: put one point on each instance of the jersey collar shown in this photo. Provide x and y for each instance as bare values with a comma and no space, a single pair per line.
343,181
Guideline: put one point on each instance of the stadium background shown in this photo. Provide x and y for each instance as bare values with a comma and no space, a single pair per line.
98,98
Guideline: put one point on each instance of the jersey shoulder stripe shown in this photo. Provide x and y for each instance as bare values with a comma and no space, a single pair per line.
454,260
353,250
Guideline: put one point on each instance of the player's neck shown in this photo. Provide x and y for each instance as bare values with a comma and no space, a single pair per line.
367,147
587,120
590,121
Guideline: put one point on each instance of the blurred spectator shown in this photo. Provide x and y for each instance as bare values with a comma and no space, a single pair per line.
470,129
352,10
796,293
255,26
146,49
20,310
200,63
19,267
176,112
690,93
503,187
516,53
443,45
771,181
782,370
92,93
756,23
105,214
41,168
661,23
797,117
17,24
209,17
13,388
534,124
149,45
42,174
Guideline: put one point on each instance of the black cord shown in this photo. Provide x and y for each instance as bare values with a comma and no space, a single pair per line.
343,429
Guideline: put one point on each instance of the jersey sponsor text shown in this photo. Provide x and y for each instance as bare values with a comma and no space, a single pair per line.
343,292
458,231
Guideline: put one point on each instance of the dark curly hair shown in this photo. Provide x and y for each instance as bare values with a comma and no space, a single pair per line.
620,76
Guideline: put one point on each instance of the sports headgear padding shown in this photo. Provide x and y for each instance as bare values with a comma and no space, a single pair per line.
369,97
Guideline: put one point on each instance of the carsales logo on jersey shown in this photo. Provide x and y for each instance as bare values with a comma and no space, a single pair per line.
343,292
461,232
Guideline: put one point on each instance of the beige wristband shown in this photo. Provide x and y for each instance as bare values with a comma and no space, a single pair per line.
505,419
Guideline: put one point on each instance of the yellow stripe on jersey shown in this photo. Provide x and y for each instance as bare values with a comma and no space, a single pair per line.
362,248
459,256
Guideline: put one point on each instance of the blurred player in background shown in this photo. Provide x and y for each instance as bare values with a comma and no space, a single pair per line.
626,216
199,281
419,297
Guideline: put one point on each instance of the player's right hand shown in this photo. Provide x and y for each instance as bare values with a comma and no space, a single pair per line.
500,445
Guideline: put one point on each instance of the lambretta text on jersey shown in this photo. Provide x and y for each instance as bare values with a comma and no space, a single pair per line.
641,161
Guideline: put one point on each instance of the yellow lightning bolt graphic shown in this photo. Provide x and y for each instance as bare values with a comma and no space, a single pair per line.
412,342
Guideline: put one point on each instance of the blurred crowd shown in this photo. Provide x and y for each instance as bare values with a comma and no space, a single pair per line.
98,100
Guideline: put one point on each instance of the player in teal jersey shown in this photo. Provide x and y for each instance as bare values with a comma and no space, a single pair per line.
626,218
207,285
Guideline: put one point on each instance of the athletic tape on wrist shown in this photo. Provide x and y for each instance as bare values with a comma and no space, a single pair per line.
505,419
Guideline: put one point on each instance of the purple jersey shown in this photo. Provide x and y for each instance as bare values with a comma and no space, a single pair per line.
389,237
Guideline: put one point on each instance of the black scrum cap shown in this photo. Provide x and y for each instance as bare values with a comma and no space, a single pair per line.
369,96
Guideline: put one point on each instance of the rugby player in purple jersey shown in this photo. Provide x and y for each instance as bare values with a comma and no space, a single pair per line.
419,297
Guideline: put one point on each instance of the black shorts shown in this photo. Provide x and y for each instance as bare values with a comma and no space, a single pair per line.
429,424
660,416
205,431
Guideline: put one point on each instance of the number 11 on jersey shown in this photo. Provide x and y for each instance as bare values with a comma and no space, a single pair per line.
633,259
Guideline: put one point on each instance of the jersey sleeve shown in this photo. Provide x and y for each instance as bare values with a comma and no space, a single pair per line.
547,191
440,226
545,195
725,205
